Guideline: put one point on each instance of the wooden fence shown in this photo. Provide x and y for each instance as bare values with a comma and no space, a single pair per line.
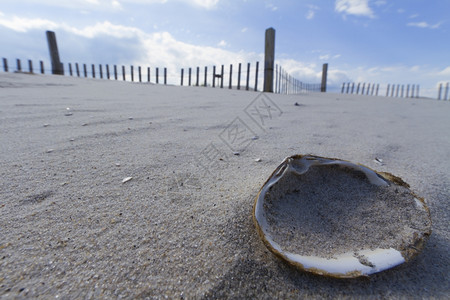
392,90
248,79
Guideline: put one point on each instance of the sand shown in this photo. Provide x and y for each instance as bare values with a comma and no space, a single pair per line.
182,227
331,210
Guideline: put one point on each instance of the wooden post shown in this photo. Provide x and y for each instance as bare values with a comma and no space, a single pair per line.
343,87
363,88
248,76
70,69
323,86
93,71
132,73
353,88
276,78
85,70
256,76
221,77
412,90
57,68
42,66
269,59
392,90
107,71
123,73
157,75
182,76
148,74
348,87
378,87
402,91
190,73
368,89
239,77
230,85
417,91
446,92
19,65
206,76
407,91
5,64
165,75
396,92
115,72
30,66
214,77
198,76
439,91
77,68
140,74
101,71
387,90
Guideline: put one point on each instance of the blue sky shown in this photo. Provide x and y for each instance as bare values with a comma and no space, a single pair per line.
378,41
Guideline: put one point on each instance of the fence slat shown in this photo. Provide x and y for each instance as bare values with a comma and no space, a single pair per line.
100,71
5,64
19,65
230,84
123,73
248,77
198,76
206,76
107,71
256,77
182,76
42,66
85,70
93,71
239,77
30,66
140,75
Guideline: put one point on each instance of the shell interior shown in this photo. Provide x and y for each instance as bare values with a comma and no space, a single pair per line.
336,218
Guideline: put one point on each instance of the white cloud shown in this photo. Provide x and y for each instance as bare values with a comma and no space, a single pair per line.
222,43
116,4
24,24
244,29
311,12
271,6
424,25
413,16
445,72
354,7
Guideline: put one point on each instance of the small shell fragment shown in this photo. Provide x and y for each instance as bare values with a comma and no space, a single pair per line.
258,159
126,179
335,218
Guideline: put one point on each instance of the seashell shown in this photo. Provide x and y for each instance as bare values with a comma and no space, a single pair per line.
335,218
126,179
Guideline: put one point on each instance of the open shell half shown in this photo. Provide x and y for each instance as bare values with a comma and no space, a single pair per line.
332,217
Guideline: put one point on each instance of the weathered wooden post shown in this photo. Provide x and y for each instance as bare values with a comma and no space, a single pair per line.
132,73
148,74
412,90
165,75
157,75
140,74
206,76
123,73
323,86
248,76
214,77
446,92
30,66
230,86
182,76
93,71
115,72
57,68
100,71
221,77
198,76
190,75
85,70
19,65
256,76
42,66
343,87
439,91
107,72
70,69
77,68
269,59
5,64
239,77
407,91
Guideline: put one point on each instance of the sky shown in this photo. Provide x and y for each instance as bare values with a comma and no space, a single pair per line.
373,41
